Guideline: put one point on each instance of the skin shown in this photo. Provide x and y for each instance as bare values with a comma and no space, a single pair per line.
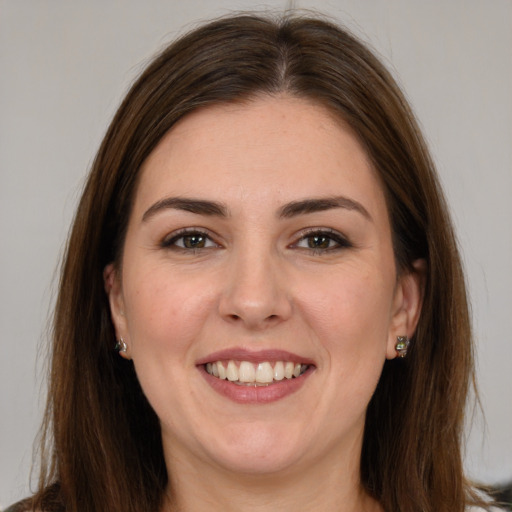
259,280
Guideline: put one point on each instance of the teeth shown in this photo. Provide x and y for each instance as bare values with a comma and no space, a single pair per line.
220,370
279,371
249,373
246,372
232,371
264,373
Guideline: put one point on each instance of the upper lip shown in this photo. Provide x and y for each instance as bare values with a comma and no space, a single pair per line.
253,356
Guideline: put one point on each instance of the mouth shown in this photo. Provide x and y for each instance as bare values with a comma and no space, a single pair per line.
249,377
247,373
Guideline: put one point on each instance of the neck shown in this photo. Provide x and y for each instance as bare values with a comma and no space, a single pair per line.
325,488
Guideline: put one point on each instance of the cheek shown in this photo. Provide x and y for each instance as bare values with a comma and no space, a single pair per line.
350,320
349,312
166,316
164,310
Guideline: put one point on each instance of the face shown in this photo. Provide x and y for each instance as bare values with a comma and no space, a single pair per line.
257,292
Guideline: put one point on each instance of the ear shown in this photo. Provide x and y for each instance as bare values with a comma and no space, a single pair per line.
407,303
114,291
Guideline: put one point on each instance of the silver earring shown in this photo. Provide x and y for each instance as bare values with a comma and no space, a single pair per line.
121,345
402,345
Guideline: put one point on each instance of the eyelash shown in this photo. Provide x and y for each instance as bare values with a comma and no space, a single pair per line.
326,234
182,234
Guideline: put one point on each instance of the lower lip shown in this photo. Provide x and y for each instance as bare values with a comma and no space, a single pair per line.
247,394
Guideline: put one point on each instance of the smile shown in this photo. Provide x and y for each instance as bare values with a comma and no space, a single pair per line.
246,373
255,377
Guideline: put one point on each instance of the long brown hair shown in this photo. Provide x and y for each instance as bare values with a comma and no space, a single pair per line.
103,437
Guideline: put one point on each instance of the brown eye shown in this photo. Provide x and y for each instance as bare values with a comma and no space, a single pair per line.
194,241
322,241
189,240
319,242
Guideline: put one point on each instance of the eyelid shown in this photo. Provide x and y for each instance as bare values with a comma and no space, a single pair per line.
341,240
169,240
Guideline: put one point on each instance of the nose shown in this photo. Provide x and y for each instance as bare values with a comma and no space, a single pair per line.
255,293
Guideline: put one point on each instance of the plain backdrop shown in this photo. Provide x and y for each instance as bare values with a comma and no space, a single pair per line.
64,67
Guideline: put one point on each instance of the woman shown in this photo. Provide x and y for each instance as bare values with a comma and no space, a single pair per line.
263,239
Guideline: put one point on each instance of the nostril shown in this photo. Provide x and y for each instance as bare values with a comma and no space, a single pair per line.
237,318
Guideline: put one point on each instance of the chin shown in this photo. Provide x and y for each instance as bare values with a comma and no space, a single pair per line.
257,449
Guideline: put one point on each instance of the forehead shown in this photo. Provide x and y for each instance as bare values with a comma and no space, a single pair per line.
270,149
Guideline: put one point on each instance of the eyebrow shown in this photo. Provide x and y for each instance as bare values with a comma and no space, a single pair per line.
197,206
321,204
289,210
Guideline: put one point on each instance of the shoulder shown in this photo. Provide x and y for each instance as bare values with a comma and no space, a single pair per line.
21,506
479,509
47,500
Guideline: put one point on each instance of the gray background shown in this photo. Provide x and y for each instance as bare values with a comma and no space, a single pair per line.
64,67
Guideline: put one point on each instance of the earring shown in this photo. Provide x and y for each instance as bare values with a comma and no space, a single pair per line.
402,345
121,345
